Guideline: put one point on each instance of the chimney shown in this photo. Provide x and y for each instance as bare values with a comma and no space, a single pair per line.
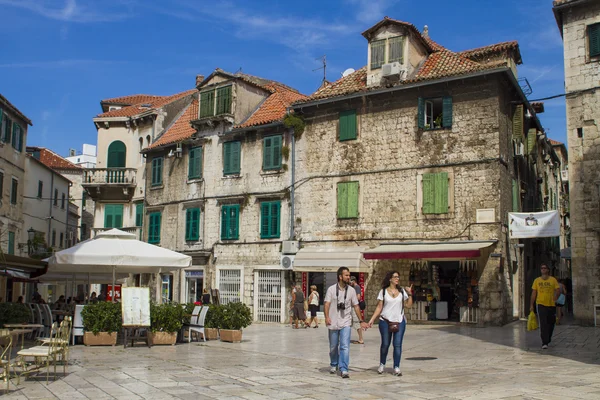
199,79
426,32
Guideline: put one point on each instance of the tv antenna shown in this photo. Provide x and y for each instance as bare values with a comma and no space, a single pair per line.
324,68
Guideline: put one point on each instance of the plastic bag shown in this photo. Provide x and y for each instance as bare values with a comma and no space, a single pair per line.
532,323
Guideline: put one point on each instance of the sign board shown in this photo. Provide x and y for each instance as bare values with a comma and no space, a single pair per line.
135,305
533,225
117,291
194,274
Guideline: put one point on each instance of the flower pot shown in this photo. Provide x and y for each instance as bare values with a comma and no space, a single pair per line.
229,335
211,333
162,338
101,339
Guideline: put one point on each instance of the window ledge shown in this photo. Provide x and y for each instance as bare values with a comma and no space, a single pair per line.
232,176
267,172
157,187
436,129
229,240
195,180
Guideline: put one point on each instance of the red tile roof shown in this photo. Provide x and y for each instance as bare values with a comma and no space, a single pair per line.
181,129
52,160
143,106
445,63
274,107
555,142
351,83
486,51
131,99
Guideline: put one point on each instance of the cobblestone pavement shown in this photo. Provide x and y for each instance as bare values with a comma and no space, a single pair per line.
277,362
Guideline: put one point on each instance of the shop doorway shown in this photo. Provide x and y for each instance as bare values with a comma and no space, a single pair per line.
195,286
269,284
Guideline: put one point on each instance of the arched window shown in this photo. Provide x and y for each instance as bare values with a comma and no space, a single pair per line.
116,155
148,141
141,148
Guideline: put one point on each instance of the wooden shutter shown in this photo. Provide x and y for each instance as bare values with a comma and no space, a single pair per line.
518,123
1,114
139,214
594,39
531,141
207,104
11,243
515,195
267,153
192,225
154,228
195,163
377,53
428,193
396,49
441,193
275,219
342,198
347,125
15,134
118,216
227,158
352,200
447,112
235,157
421,113
157,171
276,152
234,216
224,100
224,221
108,216
265,220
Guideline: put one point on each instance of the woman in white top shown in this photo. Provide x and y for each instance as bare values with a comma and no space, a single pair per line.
313,306
392,300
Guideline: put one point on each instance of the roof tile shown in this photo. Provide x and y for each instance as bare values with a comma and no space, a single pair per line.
137,108
274,107
132,99
181,129
52,160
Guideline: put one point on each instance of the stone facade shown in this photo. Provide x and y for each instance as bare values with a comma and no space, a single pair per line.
583,113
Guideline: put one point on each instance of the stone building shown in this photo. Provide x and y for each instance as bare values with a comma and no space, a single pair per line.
579,24
217,181
85,159
414,161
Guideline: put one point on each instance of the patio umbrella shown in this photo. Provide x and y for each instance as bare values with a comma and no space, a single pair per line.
115,251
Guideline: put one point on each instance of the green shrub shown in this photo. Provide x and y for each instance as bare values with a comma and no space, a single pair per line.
235,316
167,317
14,313
214,316
102,317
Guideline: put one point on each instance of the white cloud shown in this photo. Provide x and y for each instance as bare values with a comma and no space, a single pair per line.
371,11
84,11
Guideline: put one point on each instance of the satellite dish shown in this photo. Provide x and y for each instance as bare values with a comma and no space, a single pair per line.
347,72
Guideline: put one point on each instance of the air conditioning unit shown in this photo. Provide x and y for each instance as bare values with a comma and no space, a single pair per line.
519,149
564,175
290,247
179,150
394,69
287,262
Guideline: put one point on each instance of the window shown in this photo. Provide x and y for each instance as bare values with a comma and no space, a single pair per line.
62,201
215,102
6,129
157,166
154,228
270,216
61,240
53,238
192,224
83,231
11,243
139,214
347,199
13,191
347,125
272,152
56,197
230,215
516,194
83,200
195,163
1,185
113,216
40,189
387,51
17,137
117,155
231,157
435,113
594,39
435,193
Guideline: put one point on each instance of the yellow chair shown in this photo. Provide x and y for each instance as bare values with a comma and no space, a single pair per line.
62,338
42,356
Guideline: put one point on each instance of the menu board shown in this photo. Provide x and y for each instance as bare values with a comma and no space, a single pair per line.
135,304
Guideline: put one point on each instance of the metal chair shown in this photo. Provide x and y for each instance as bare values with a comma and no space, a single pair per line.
42,355
5,351
62,338
77,326
197,325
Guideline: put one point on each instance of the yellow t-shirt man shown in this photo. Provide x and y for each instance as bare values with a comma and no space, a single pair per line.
545,290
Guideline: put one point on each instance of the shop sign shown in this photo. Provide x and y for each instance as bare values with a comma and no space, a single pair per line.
304,282
533,225
194,274
109,295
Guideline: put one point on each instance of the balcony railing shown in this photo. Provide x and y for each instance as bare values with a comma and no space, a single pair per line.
109,176
136,230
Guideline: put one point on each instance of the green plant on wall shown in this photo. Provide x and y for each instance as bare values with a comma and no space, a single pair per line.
14,313
296,122
102,317
285,152
235,316
166,317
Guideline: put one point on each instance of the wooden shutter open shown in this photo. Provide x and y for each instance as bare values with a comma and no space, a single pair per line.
421,113
428,193
447,112
342,200
352,200
518,123
594,39
441,193
267,153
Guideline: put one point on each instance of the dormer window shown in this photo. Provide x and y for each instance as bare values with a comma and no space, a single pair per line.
386,51
215,102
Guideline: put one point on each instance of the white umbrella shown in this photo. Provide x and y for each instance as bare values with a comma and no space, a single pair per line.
115,251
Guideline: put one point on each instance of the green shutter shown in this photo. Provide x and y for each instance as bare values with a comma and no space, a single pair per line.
515,195
594,39
15,134
207,104
139,214
192,219
531,141
518,123
21,134
230,222
157,164
352,200
195,163
447,112
267,153
265,220
118,216
113,216
1,113
277,152
154,228
224,100
348,125
108,216
231,158
342,198
11,243
441,193
224,222
275,218
428,191
421,113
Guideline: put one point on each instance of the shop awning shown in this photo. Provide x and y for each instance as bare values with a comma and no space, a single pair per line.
329,259
418,250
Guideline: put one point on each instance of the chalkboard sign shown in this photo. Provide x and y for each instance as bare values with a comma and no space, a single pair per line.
135,304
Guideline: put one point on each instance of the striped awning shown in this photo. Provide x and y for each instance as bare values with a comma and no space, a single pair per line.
433,250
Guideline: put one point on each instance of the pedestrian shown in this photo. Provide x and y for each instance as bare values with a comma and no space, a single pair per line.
560,302
355,318
291,304
205,296
339,299
93,298
298,302
392,300
313,306
544,295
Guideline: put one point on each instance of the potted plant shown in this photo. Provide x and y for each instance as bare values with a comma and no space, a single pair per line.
235,317
212,321
165,321
101,323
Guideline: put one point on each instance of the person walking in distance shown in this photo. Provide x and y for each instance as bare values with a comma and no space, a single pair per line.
392,300
339,299
544,295
355,318
313,306
298,302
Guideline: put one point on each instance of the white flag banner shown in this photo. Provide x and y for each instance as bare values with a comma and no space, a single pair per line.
533,225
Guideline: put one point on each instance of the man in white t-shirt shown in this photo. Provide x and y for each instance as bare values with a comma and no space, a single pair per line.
339,300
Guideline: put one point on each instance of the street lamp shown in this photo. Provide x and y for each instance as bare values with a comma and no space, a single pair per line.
30,238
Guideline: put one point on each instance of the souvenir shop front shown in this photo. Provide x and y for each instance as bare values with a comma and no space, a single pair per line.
445,277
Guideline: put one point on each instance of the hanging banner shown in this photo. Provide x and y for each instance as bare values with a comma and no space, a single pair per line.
533,225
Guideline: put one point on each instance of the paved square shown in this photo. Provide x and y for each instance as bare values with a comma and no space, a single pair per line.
276,362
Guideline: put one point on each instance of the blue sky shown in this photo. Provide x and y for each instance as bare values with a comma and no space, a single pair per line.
59,58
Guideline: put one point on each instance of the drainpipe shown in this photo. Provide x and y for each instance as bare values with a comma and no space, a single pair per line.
292,188
50,208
